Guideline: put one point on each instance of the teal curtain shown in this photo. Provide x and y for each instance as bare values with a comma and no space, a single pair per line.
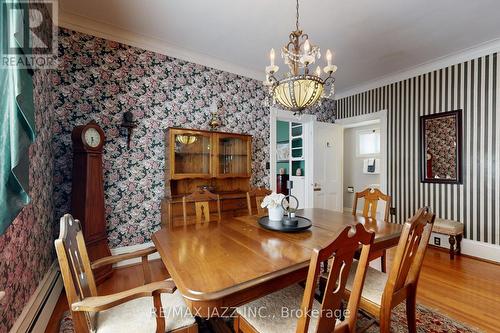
17,124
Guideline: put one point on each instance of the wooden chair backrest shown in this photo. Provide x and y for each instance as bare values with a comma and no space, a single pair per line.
343,248
409,256
372,196
201,199
259,194
75,268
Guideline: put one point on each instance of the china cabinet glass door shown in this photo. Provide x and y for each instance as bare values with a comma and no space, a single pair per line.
191,154
233,155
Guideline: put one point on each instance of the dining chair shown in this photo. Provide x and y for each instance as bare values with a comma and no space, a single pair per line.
381,291
259,194
305,313
372,196
133,310
201,199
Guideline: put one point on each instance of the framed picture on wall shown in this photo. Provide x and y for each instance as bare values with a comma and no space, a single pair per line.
441,148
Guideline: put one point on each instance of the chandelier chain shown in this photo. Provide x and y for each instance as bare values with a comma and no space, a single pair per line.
297,21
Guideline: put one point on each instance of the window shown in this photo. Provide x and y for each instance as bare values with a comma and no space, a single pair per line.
368,142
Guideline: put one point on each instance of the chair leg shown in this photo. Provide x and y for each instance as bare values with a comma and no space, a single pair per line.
452,247
383,262
411,308
385,321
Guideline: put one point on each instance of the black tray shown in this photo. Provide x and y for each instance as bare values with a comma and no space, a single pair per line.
303,224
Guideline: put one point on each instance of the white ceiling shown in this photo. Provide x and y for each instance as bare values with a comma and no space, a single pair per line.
371,38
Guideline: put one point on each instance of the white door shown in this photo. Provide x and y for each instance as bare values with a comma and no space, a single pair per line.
328,164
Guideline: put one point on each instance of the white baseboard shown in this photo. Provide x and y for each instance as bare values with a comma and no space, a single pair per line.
36,313
472,248
132,248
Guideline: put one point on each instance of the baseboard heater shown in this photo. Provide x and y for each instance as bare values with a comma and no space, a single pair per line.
37,312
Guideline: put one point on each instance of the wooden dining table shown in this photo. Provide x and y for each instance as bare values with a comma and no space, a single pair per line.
222,264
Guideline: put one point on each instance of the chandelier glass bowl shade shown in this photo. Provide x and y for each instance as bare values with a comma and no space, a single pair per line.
300,88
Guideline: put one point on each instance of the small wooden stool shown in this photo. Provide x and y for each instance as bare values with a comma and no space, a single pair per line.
454,229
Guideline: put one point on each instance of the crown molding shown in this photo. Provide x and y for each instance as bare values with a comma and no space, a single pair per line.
107,31
474,52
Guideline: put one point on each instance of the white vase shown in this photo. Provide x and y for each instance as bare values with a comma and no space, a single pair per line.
276,213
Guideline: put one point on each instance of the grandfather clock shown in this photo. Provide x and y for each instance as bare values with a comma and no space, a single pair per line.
87,194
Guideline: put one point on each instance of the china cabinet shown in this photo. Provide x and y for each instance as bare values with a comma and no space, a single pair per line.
217,161
232,155
190,154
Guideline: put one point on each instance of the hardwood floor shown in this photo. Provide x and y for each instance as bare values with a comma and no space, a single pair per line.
466,289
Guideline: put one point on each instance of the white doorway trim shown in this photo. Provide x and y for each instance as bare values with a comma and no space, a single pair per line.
308,121
368,119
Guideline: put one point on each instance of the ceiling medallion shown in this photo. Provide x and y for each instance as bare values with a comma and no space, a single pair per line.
300,89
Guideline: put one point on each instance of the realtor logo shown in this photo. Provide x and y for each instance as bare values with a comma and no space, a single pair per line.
29,38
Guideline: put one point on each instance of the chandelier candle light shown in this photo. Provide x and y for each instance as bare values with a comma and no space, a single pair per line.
300,89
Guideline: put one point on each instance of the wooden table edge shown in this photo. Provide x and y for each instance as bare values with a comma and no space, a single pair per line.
202,302
194,295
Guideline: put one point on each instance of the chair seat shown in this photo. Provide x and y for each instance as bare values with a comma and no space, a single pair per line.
373,287
266,313
448,227
138,315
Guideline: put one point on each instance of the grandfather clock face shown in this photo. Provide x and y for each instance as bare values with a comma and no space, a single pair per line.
92,137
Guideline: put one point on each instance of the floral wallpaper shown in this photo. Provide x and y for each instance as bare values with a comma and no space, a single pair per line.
26,248
101,79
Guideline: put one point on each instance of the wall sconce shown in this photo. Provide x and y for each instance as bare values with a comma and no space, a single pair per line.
129,123
214,120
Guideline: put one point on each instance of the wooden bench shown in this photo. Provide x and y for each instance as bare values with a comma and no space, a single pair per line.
454,230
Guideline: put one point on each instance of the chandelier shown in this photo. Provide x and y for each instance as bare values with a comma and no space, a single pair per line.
300,89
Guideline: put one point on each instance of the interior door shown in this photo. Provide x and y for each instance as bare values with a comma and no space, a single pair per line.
328,164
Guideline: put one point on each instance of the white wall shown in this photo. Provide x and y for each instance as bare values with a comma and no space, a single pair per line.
353,166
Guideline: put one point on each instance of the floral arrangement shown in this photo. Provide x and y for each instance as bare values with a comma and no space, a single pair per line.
274,200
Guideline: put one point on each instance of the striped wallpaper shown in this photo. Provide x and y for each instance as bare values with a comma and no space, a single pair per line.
471,86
